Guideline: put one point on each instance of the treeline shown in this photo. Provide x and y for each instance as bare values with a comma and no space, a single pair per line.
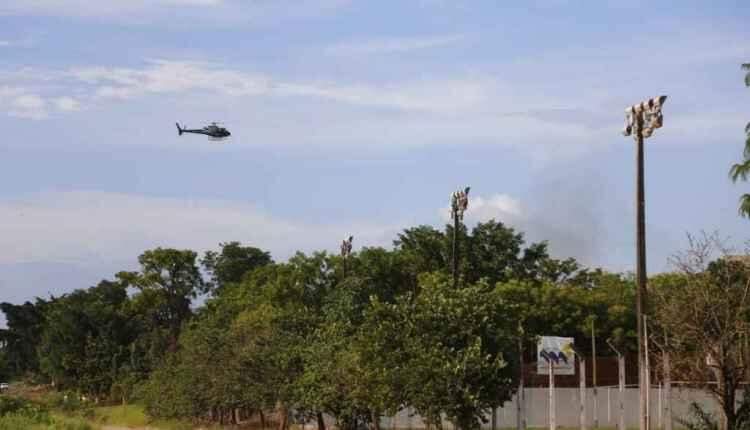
354,339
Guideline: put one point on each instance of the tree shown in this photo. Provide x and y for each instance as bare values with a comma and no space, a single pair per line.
245,348
493,252
426,249
704,311
232,263
25,323
566,309
172,279
5,370
205,379
496,254
742,170
85,339
446,352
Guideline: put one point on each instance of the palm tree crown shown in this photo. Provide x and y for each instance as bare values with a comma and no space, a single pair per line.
742,170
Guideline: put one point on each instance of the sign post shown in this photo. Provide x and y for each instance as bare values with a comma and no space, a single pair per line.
557,353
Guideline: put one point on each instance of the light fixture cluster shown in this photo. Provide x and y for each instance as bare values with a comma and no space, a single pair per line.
645,117
346,247
459,203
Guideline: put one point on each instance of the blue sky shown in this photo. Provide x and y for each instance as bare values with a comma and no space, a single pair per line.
357,117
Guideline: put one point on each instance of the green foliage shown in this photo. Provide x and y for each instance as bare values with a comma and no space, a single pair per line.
18,414
704,315
232,263
171,279
491,251
22,422
124,415
16,406
5,367
741,170
167,393
84,338
568,309
307,337
699,419
25,324
70,403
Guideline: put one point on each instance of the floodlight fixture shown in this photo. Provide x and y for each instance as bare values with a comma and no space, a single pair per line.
346,247
459,203
644,117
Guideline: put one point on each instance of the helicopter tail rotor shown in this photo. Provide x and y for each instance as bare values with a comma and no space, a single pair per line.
179,130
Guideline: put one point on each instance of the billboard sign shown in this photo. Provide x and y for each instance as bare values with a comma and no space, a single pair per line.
560,351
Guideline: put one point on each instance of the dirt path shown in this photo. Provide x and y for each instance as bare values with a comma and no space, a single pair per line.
128,428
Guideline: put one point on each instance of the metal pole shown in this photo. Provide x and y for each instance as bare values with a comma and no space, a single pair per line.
640,270
593,364
455,250
667,390
582,382
660,415
520,407
621,377
636,117
551,396
609,406
647,369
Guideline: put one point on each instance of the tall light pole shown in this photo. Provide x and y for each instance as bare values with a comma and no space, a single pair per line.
640,121
346,251
459,203
593,368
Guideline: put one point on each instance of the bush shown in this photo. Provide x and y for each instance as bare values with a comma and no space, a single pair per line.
10,406
20,414
699,419
70,403
20,422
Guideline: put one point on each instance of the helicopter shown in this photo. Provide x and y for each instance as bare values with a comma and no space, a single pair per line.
213,131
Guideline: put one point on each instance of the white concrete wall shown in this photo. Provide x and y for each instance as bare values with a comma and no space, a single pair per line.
568,409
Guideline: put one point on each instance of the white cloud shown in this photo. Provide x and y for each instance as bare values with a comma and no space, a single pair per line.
464,109
101,226
392,45
20,103
169,77
176,13
16,43
440,110
110,8
445,95
67,104
500,207
7,92
178,77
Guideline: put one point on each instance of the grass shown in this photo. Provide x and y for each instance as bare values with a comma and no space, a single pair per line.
22,422
134,416
127,416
